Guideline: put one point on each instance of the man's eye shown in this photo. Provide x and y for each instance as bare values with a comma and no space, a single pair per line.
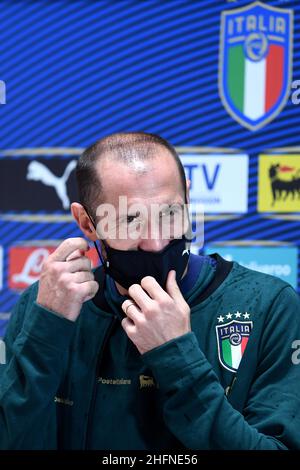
168,213
130,218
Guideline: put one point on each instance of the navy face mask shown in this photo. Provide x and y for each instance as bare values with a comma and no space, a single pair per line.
129,267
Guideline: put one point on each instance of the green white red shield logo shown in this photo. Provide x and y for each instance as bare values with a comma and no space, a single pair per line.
232,339
255,62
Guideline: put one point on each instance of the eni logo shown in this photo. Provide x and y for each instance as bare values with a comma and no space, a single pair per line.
2,92
147,382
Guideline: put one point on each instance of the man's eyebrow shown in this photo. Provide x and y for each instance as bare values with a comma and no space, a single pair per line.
172,204
128,213
160,205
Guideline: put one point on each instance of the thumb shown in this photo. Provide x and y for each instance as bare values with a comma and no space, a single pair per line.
172,286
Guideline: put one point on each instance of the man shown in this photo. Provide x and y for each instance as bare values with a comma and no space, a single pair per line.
156,349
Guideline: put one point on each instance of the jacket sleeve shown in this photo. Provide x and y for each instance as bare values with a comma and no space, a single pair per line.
199,414
36,344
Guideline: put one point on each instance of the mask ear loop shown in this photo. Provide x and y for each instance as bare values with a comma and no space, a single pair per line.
95,243
99,254
188,234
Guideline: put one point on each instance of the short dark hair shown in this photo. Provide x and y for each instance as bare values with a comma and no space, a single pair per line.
121,145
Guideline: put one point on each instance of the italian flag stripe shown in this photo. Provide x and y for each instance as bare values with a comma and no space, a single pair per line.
254,87
274,75
254,103
227,351
233,354
236,71
244,344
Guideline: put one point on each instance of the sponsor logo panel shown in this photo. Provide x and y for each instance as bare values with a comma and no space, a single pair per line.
279,183
25,262
37,184
279,261
219,183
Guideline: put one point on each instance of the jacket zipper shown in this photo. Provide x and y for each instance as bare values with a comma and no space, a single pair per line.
94,393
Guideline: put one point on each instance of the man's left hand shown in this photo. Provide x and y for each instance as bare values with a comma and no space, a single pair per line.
155,316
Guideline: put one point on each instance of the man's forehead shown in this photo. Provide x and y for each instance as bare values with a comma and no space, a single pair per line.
159,171
109,162
128,155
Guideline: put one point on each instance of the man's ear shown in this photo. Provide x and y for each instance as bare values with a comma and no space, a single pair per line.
83,221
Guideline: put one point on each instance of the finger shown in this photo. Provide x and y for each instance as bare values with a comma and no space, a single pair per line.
77,254
89,289
67,247
172,287
141,298
81,276
131,310
128,326
151,286
79,264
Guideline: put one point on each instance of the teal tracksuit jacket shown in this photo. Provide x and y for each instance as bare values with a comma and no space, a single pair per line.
231,383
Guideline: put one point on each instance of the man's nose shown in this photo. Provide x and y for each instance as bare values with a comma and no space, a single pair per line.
153,244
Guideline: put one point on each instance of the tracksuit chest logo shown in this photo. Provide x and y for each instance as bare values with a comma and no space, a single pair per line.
232,339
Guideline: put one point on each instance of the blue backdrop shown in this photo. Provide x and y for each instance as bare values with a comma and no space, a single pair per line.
77,70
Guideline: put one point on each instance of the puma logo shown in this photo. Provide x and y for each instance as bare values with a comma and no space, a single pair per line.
37,171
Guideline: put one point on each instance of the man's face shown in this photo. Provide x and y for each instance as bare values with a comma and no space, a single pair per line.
143,204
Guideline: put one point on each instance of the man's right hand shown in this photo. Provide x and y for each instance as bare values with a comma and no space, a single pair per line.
66,279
